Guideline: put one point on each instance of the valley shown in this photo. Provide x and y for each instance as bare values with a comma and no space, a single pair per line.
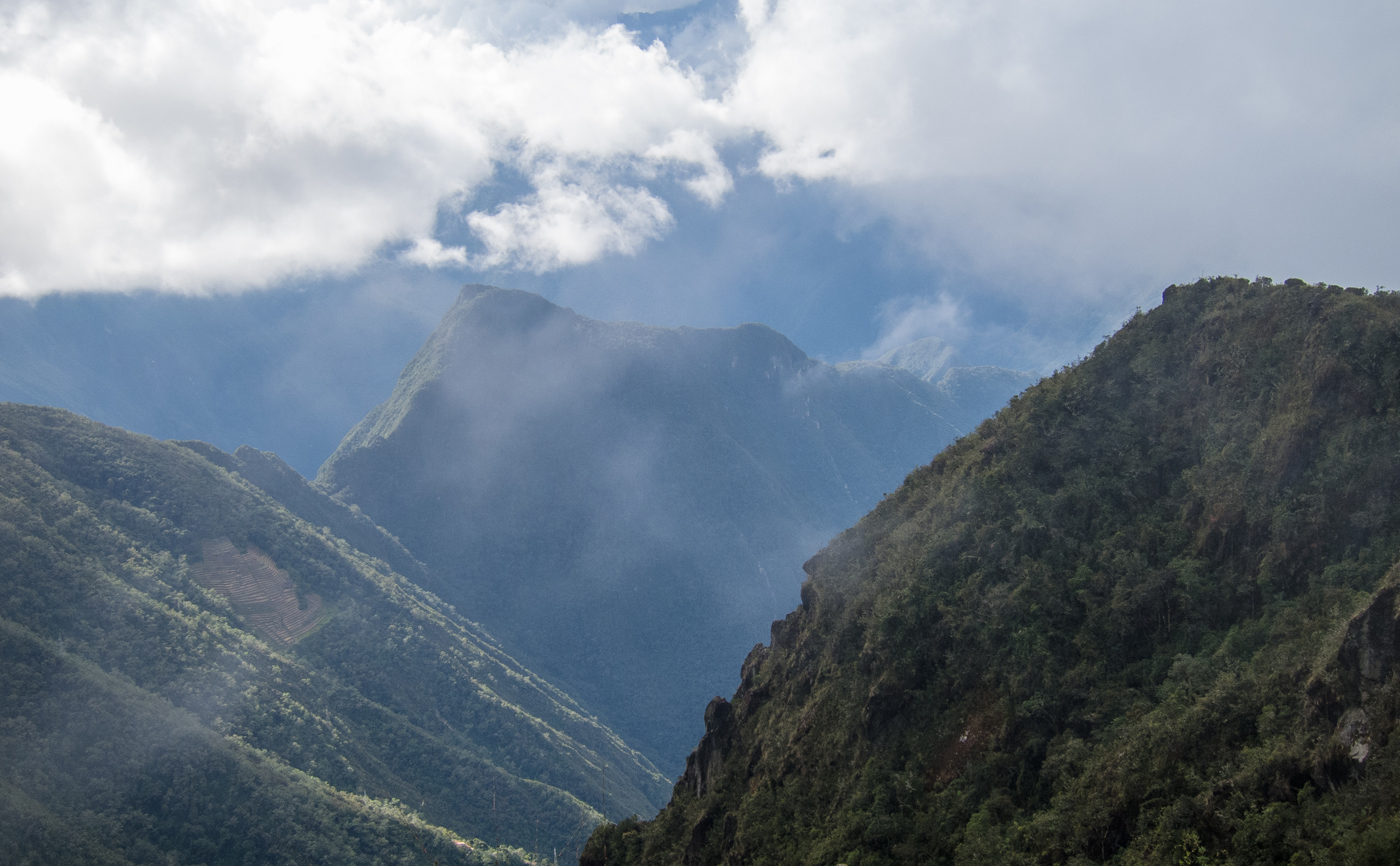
595,515
628,506
699,433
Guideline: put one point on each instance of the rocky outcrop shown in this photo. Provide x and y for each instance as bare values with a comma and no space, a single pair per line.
1372,644
703,766
1355,690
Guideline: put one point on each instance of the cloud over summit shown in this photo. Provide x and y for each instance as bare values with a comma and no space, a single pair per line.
220,145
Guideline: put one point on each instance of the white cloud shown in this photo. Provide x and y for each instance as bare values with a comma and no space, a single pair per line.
1086,140
55,151
906,319
687,146
430,253
220,144
568,223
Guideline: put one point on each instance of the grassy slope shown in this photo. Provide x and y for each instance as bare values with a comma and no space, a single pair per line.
1142,615
395,695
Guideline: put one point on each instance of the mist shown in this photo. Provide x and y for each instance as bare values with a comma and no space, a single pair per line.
287,371
628,506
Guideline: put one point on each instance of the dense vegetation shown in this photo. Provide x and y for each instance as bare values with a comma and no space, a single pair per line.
284,484
143,719
629,505
1146,614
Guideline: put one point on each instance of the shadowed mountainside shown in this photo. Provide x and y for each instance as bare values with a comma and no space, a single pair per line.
628,505
191,669
1144,615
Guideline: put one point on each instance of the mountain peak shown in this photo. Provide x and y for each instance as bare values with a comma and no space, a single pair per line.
928,358
1145,614
630,504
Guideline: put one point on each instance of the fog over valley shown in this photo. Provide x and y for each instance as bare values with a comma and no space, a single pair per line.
629,505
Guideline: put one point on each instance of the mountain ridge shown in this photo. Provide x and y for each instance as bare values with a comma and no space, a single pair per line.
628,503
291,661
1144,614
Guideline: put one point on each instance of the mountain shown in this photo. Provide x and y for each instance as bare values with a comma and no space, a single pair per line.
274,477
965,396
972,392
625,505
973,389
194,673
1149,613
928,358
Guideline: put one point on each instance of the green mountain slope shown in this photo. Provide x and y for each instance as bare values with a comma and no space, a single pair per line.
185,634
283,483
629,505
1146,614
98,771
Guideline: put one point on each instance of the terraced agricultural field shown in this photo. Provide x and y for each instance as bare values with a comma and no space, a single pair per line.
259,591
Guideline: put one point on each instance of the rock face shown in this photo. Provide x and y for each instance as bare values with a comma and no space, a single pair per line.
1356,692
627,505
705,762
1372,644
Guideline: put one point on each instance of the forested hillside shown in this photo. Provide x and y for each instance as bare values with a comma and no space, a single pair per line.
195,675
1145,614
629,505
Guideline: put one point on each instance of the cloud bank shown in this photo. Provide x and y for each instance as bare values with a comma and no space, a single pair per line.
221,145
226,144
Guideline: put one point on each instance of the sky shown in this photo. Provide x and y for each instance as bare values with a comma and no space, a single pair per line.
1014,176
